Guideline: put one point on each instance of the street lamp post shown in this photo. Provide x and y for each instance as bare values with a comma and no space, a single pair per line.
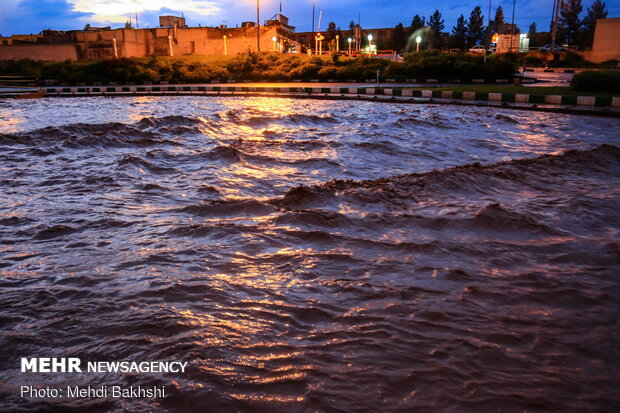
316,43
115,48
350,40
258,24
225,48
337,44
313,34
418,40
370,44
274,39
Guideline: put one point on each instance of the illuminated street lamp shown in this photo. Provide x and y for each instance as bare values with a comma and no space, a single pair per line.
418,40
369,43
274,39
349,40
337,44
115,48
225,48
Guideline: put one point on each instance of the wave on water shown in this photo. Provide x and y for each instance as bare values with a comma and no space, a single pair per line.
316,256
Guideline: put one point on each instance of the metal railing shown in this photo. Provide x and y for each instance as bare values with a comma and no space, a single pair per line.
19,86
19,81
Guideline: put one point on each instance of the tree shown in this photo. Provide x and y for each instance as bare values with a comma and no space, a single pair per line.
532,30
399,38
331,31
475,27
352,25
417,23
569,19
499,18
435,22
596,11
459,33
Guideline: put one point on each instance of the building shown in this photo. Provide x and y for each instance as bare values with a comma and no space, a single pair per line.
171,40
171,21
359,37
280,20
606,45
515,43
507,28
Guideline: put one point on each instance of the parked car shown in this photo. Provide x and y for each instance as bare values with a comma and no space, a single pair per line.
551,48
478,49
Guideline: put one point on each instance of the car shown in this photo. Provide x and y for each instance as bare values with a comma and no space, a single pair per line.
551,48
478,49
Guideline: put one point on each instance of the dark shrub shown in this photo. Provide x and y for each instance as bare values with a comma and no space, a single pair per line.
597,81
573,59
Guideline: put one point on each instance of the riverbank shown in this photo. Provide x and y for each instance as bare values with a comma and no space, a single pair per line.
265,66
555,100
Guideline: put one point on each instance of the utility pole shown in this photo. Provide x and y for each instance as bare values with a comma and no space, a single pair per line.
313,18
489,13
359,23
556,10
512,32
258,24
490,32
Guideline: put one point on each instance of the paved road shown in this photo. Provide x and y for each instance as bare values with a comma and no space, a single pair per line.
320,84
550,79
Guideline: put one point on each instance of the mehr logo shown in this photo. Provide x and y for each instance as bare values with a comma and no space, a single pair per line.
51,365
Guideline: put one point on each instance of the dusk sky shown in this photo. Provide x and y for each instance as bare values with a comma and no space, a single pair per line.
31,16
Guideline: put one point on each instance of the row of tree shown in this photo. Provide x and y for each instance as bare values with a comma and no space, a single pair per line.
571,29
575,30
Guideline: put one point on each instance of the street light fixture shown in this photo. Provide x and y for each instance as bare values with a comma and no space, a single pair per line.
349,40
274,39
418,40
370,44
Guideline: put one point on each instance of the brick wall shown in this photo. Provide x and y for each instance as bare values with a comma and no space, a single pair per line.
47,52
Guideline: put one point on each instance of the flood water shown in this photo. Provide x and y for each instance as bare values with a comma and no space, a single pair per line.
311,255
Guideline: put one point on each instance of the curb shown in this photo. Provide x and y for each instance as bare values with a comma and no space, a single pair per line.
423,80
560,100
542,69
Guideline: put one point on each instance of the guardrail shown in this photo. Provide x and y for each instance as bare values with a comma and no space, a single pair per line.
20,87
19,81
340,92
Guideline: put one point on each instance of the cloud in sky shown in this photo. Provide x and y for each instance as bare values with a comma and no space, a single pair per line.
31,16
118,10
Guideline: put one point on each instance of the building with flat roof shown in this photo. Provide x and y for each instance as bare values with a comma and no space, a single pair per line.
171,21
606,45
171,40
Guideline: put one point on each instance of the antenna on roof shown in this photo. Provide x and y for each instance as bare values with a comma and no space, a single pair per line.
137,25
